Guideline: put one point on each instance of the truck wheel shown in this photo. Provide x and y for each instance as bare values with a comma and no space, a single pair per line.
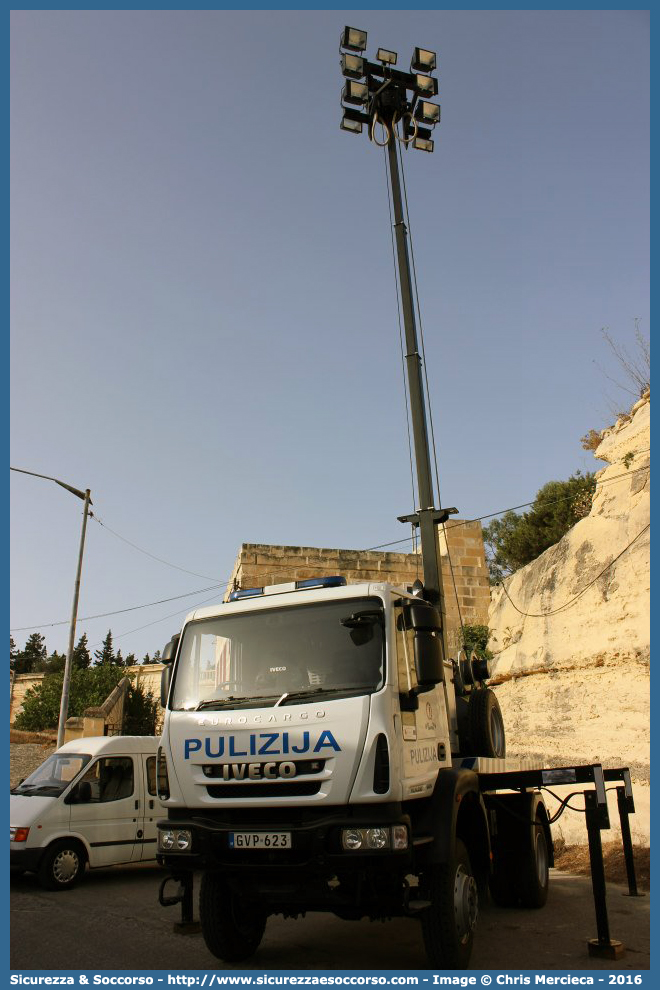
533,873
61,865
486,724
231,928
448,925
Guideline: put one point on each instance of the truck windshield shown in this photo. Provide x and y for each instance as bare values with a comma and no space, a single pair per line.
281,655
54,776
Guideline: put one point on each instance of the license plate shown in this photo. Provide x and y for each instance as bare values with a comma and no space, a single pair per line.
260,840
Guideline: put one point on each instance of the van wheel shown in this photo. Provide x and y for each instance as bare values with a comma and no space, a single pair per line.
533,872
232,928
61,865
448,925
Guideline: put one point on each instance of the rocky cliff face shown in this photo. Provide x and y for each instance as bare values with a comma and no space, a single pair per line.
572,673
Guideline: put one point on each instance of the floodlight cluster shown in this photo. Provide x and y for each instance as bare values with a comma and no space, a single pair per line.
388,96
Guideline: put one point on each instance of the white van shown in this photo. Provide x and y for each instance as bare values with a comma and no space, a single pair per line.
92,802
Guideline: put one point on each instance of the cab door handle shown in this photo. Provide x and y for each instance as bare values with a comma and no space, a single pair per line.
151,803
137,805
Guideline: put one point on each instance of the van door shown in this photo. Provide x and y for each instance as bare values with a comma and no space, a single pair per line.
108,813
152,809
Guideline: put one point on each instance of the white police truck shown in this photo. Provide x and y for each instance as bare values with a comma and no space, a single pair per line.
319,755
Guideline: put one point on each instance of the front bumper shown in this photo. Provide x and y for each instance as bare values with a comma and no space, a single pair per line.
314,874
24,859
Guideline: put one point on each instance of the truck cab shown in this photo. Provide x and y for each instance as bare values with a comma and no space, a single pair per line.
307,763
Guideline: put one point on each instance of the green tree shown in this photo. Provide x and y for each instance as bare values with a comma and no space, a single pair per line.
106,655
81,658
475,637
89,688
55,663
130,660
146,658
33,656
13,653
140,713
119,660
516,539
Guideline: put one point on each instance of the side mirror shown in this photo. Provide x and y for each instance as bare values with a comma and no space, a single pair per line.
427,624
428,657
165,677
170,649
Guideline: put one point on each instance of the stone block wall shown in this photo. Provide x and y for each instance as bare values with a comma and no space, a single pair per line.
465,580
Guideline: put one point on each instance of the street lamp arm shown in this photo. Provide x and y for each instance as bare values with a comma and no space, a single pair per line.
62,484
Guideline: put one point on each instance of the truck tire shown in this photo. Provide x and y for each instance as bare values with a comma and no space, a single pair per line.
448,925
532,871
61,865
231,928
486,725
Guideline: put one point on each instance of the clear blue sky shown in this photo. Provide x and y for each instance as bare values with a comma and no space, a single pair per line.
204,326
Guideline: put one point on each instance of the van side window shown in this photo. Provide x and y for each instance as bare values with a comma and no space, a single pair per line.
110,779
151,775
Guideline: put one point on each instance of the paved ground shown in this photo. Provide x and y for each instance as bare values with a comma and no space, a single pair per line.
112,920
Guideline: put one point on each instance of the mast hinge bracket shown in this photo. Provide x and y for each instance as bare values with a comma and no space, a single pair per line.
435,515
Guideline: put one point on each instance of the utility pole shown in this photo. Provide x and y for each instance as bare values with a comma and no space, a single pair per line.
86,497
381,93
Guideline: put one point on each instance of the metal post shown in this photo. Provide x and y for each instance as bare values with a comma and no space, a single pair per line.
64,703
602,946
427,515
623,803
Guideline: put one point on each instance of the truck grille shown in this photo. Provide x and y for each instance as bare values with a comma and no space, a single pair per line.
285,788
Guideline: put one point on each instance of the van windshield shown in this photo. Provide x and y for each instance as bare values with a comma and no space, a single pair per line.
54,776
282,655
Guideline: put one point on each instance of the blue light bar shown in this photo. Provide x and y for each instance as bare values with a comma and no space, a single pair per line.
321,582
234,596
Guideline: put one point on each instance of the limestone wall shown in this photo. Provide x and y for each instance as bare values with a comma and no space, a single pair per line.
259,564
574,685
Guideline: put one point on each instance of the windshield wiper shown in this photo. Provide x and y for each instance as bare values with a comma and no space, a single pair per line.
315,692
219,703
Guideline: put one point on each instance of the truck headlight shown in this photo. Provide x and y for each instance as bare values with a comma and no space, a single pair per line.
177,839
375,838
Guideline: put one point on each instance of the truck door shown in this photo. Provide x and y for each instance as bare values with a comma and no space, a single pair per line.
150,811
425,731
108,817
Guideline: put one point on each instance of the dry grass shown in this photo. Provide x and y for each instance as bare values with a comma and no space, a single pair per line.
575,859
17,736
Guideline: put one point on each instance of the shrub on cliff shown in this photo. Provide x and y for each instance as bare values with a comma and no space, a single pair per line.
516,539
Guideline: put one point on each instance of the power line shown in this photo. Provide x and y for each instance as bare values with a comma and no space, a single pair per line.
543,615
514,508
119,611
147,554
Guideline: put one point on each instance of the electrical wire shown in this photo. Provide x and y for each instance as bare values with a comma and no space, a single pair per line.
147,554
119,611
163,618
514,508
543,615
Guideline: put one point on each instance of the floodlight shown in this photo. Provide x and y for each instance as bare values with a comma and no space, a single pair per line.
352,66
356,92
422,61
353,39
426,85
348,124
386,57
428,113
422,144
